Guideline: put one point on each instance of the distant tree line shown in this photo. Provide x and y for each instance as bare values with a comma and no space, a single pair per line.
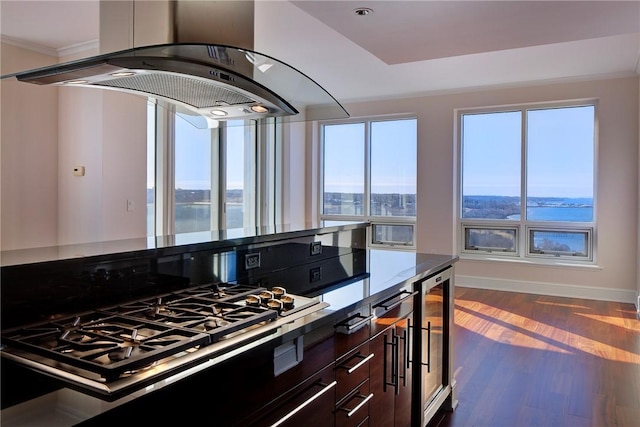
491,239
493,207
391,204
193,196
553,246
501,207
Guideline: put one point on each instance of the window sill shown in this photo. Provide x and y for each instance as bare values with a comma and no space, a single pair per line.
534,263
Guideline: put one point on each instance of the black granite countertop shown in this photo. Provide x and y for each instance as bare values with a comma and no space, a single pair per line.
388,272
175,243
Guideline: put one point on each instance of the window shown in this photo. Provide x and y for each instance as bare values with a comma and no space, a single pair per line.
193,166
201,179
527,181
240,175
369,173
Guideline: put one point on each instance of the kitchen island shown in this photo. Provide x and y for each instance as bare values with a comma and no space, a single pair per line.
260,374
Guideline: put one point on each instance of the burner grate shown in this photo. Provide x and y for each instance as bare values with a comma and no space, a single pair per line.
108,345
116,341
200,313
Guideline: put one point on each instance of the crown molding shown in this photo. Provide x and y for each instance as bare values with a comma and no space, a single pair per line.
74,49
49,51
78,48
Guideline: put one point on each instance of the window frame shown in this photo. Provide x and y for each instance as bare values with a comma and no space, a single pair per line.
491,226
374,220
524,227
263,161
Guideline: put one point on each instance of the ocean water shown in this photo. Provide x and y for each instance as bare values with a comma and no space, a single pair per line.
197,217
558,213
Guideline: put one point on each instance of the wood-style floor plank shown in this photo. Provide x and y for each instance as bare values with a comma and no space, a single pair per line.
531,360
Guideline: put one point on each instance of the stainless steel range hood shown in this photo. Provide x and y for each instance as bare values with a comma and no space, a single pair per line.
216,81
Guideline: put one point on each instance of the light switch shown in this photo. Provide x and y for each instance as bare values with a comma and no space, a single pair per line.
78,170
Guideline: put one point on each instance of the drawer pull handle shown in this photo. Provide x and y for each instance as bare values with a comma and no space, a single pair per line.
359,364
305,403
389,304
351,412
345,328
428,330
362,362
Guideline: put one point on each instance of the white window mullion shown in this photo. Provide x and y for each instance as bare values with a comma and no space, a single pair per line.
266,201
222,177
216,177
250,175
165,170
366,199
523,236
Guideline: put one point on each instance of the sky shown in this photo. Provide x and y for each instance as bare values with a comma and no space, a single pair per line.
393,157
193,156
560,153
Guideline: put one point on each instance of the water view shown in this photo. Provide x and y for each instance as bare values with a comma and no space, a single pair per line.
538,208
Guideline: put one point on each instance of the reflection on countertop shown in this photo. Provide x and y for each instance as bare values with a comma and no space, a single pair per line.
202,240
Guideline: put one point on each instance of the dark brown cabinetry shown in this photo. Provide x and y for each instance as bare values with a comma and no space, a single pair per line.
353,358
352,391
391,368
309,404
353,410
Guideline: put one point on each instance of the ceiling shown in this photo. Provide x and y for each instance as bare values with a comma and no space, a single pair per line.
401,48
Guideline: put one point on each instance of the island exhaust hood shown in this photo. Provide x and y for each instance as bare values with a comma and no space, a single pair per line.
213,80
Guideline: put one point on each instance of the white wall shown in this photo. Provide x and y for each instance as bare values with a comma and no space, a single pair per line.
124,161
28,149
46,132
80,144
617,186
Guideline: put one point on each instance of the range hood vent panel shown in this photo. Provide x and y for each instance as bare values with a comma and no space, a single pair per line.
197,93
200,77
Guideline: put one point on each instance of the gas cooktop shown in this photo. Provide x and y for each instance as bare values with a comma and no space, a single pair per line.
125,346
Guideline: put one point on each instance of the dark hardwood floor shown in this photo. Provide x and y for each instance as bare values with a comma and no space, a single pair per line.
530,360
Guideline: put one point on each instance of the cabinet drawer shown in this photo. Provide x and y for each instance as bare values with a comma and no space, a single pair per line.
309,404
353,330
353,410
352,369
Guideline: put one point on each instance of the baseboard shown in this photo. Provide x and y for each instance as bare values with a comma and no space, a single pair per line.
554,289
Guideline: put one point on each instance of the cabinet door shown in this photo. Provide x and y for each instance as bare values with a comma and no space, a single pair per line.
405,351
381,410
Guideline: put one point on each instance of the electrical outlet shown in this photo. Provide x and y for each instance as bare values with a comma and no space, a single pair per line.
252,261
315,274
315,248
129,205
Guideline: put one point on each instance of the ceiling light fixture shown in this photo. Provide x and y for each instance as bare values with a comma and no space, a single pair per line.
363,11
219,113
76,82
259,109
123,74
